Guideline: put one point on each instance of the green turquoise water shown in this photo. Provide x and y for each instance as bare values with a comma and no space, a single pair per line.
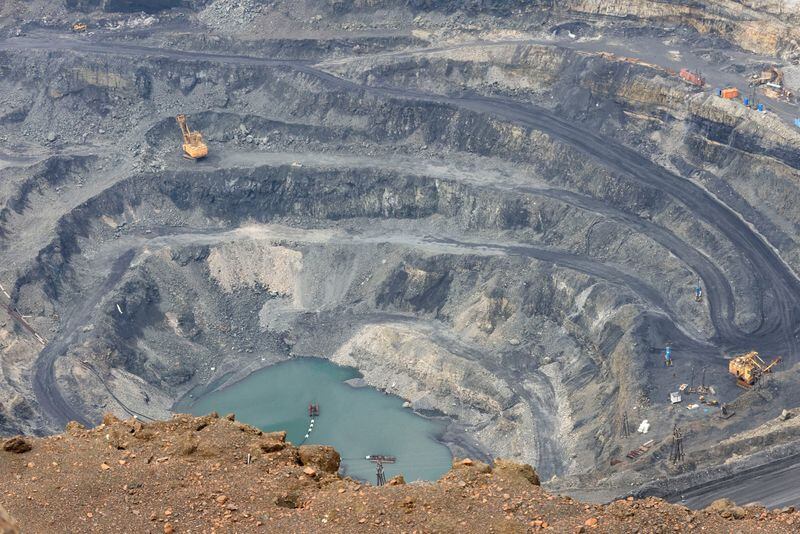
355,421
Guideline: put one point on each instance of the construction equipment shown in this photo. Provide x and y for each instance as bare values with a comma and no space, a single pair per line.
193,145
769,92
79,27
676,453
379,460
698,293
726,412
772,76
641,449
694,78
729,93
384,458
749,367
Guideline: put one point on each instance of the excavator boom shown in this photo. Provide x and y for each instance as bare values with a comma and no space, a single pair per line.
184,129
775,362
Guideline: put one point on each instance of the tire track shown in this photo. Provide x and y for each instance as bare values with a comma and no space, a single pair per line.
45,386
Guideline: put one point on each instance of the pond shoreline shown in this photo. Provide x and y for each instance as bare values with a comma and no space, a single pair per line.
450,434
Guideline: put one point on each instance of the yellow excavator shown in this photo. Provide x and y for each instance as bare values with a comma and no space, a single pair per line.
79,27
749,367
193,145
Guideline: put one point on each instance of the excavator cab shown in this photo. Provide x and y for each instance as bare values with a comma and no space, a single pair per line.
193,145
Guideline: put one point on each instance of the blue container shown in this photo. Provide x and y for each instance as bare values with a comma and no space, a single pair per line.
761,108
746,101
797,122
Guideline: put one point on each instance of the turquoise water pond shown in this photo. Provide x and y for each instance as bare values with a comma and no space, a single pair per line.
355,421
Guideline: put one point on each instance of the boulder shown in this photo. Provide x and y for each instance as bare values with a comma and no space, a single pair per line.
276,436
472,465
17,445
109,419
269,443
268,446
287,500
74,428
396,481
249,429
511,469
721,506
323,457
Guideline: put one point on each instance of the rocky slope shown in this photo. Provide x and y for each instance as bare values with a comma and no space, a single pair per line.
193,474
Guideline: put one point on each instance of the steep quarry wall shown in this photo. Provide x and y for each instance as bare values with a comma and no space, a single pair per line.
173,339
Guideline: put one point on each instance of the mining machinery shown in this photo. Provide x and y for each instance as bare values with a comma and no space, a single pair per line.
748,368
193,145
769,76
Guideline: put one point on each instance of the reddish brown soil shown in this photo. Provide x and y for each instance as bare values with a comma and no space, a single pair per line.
190,474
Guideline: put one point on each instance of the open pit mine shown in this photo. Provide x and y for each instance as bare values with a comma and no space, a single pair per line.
529,233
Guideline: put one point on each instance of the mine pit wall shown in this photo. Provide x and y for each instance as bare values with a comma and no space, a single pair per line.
266,193
334,109
645,108
400,123
240,196
19,188
404,124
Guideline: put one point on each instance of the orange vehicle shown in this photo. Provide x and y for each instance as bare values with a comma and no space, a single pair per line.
730,93
193,145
